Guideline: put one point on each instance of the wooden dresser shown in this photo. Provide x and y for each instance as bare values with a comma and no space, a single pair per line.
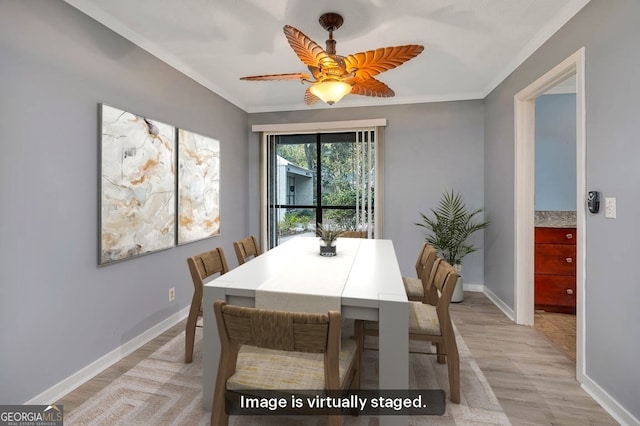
555,269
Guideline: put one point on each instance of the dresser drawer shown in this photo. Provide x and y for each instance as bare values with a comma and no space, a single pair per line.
555,259
555,290
555,236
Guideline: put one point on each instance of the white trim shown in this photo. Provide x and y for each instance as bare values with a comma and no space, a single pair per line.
617,411
475,288
499,303
524,209
524,103
320,126
611,406
67,385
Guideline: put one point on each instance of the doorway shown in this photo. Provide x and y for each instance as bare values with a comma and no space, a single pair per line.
555,216
524,195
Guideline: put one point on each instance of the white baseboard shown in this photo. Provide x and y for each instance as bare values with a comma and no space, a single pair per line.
476,288
611,406
500,304
62,388
606,401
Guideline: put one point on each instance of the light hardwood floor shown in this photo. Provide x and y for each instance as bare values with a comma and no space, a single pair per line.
560,329
533,379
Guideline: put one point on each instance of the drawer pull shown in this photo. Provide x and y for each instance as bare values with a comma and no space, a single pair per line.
569,260
569,236
569,291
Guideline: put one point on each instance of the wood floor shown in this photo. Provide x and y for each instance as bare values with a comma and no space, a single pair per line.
560,329
532,378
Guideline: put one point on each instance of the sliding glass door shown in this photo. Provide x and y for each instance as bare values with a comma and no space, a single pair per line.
319,178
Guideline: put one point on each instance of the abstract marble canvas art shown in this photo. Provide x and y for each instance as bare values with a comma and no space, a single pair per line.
138,185
198,186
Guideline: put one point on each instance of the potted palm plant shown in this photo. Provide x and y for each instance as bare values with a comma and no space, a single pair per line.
448,228
328,236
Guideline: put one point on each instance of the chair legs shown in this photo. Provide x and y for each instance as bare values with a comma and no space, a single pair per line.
219,416
190,331
441,350
334,420
453,368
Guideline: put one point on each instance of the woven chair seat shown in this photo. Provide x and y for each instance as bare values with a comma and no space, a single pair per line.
413,287
259,368
423,319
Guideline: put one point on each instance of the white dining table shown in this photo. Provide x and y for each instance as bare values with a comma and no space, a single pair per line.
364,278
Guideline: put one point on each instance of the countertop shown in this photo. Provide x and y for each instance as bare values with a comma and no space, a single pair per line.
555,219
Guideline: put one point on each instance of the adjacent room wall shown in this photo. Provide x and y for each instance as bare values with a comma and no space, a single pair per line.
555,147
428,148
610,33
59,311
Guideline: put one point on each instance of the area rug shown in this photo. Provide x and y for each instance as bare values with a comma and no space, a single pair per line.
163,390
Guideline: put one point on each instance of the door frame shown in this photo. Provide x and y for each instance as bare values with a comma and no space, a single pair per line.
524,195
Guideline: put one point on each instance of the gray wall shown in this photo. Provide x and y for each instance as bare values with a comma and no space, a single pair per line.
59,311
555,145
428,148
610,33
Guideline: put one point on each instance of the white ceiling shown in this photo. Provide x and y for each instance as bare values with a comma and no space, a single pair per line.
470,45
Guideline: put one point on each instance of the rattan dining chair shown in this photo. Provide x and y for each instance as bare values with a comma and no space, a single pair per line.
354,234
246,249
201,266
414,286
431,323
270,350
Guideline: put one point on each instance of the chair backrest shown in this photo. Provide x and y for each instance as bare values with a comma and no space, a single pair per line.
280,330
354,234
444,280
427,276
246,249
426,258
205,264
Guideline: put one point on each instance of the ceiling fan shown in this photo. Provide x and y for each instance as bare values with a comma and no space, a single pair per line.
335,76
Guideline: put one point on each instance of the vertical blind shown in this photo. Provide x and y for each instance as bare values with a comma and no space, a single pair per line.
365,180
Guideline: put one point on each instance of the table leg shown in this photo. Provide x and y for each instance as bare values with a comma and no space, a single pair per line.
394,348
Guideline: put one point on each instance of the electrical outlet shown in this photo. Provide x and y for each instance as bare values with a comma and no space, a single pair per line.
172,294
610,207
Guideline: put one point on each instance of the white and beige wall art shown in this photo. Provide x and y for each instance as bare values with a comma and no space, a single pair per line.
145,206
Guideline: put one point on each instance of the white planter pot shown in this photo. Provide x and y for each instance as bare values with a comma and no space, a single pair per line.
458,291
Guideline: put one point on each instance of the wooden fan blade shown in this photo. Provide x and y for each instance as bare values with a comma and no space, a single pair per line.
273,77
373,62
310,98
309,52
372,87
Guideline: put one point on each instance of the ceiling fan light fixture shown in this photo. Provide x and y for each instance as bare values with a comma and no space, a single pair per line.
330,72
330,91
